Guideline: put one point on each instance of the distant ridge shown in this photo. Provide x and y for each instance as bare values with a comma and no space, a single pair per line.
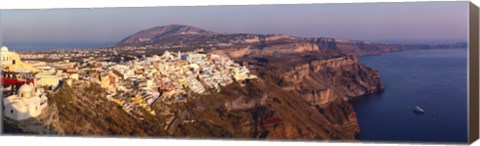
173,37
160,32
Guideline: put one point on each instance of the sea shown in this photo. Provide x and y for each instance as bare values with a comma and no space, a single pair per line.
49,46
433,79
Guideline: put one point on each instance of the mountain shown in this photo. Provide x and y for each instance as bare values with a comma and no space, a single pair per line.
160,32
174,37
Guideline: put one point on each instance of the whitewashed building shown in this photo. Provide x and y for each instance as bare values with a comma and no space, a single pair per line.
27,103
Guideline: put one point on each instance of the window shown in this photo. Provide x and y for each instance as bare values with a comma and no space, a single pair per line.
11,111
13,61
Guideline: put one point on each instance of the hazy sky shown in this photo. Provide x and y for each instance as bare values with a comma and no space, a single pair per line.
394,22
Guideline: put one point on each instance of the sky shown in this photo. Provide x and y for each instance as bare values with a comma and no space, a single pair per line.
420,22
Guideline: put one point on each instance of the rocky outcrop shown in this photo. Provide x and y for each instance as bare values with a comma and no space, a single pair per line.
269,50
288,48
234,52
322,81
327,85
306,99
261,109
368,48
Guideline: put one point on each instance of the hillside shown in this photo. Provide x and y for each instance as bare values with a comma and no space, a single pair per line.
160,32
270,107
173,37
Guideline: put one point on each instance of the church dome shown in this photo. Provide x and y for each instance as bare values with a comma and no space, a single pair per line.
4,49
25,88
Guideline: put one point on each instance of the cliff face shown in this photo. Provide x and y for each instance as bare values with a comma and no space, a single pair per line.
327,85
261,109
323,81
368,48
306,81
288,48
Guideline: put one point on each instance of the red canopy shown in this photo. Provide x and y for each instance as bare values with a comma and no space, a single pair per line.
13,81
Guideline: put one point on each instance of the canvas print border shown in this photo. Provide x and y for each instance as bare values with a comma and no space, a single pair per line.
473,106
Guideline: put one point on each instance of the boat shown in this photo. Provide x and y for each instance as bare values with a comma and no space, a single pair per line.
417,109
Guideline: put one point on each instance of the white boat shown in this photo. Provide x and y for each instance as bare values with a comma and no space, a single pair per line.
417,109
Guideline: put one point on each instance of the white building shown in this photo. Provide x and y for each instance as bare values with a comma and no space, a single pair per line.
28,103
72,74
9,58
11,62
48,80
167,55
196,58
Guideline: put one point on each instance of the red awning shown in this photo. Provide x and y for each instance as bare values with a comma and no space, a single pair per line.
13,81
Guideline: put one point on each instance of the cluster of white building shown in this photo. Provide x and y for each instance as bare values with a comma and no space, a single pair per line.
170,77
61,54
23,94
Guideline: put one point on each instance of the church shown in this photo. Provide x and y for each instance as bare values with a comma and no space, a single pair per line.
11,62
21,96
8,58
28,102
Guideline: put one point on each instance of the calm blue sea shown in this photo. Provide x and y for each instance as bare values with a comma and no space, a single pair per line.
46,46
435,80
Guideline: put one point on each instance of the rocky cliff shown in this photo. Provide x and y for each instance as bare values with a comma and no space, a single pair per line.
368,48
188,37
295,98
261,109
320,81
